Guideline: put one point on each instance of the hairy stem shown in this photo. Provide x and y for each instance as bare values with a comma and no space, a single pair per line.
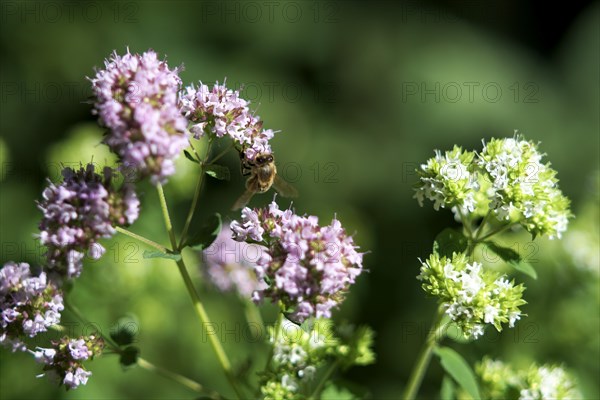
276,329
495,232
466,223
187,382
166,216
192,210
142,239
198,306
416,377
323,380
221,154
482,225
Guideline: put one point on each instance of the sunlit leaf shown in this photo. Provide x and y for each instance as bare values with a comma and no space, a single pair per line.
459,370
512,258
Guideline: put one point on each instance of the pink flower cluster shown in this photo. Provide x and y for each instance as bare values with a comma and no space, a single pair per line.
136,99
308,267
222,112
78,212
29,304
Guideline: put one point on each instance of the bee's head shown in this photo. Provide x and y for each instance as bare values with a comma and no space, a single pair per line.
264,158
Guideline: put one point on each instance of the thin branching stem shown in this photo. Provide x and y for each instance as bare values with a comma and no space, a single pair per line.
142,239
198,306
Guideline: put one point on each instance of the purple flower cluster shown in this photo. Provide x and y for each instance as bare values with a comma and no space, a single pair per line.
63,361
229,264
308,267
222,112
136,99
29,304
78,212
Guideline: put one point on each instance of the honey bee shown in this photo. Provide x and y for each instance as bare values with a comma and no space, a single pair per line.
262,174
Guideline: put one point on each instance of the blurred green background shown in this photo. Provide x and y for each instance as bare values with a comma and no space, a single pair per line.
362,93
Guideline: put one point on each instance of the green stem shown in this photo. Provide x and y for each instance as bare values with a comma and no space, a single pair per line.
466,223
276,329
187,382
192,210
482,225
275,339
190,216
198,306
252,314
75,311
423,361
194,150
221,154
191,384
142,239
323,380
166,216
495,232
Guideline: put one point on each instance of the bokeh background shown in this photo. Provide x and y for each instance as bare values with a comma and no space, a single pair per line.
362,93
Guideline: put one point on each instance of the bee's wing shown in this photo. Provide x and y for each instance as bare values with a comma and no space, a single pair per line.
243,200
283,188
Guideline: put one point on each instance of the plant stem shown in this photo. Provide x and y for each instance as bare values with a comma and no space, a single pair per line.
221,154
495,232
275,339
198,306
482,225
191,384
423,362
276,329
187,382
142,239
253,315
323,380
166,216
75,311
466,223
190,216
194,150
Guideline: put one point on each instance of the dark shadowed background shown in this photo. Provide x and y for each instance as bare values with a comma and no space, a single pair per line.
362,92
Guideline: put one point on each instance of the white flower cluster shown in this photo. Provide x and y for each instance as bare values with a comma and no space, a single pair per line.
548,382
296,356
471,296
448,180
500,381
523,189
507,179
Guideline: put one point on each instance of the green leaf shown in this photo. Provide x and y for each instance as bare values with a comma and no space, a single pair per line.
129,356
459,370
220,172
333,392
512,258
190,157
450,241
124,330
160,254
207,233
447,390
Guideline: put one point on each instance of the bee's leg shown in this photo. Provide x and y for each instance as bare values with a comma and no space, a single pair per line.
252,184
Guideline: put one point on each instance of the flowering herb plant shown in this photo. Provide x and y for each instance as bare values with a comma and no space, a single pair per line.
505,186
303,266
